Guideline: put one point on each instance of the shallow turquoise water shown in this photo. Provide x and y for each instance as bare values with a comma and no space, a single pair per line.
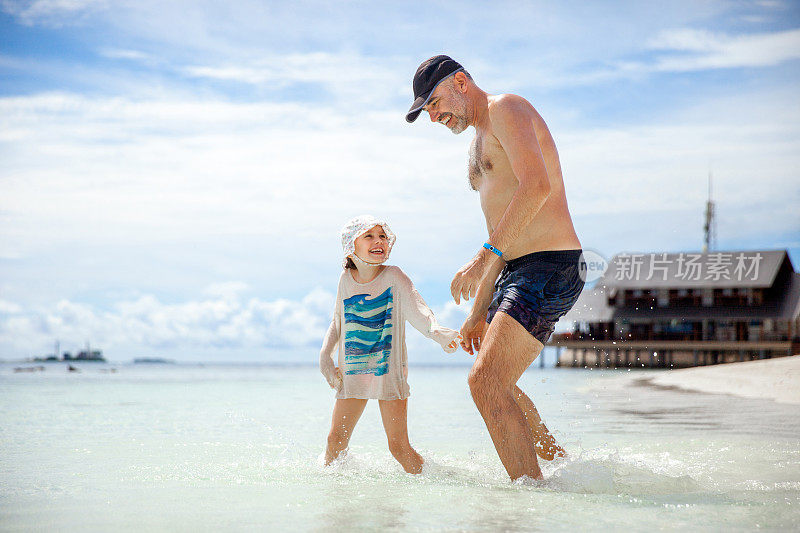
182,447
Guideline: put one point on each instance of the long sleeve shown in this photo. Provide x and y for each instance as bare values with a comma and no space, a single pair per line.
329,345
420,315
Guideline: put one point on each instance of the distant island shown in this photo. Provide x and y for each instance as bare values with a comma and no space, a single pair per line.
153,361
85,355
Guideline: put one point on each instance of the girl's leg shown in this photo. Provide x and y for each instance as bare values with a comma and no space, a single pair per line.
346,413
394,414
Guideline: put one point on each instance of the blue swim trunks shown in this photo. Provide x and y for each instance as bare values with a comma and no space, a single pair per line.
539,288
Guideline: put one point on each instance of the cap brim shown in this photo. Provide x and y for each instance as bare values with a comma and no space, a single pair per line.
416,107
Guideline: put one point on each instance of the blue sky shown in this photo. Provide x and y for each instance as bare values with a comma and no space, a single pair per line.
173,175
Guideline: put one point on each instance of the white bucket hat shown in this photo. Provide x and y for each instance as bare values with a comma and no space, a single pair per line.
355,227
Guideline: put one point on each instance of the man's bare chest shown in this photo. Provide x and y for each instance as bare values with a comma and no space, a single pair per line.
486,159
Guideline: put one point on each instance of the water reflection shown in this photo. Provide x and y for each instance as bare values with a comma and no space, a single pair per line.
352,505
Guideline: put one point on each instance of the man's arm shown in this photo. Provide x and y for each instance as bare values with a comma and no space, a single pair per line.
512,125
474,327
485,291
511,118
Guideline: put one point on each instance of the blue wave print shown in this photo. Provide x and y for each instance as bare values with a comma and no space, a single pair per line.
382,300
362,358
365,336
377,371
364,368
368,342
361,304
373,322
358,348
374,371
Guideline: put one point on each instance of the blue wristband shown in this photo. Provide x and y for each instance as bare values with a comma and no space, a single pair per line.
492,249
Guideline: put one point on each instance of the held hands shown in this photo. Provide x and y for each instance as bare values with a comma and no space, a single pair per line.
453,346
472,332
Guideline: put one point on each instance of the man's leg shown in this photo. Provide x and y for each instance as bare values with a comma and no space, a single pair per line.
346,413
546,446
507,350
395,414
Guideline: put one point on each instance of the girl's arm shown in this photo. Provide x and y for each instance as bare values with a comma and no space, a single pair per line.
421,317
332,374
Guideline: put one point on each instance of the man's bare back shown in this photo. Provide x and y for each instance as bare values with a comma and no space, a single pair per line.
490,174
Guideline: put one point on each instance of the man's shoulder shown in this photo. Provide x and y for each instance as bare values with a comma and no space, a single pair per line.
508,113
502,104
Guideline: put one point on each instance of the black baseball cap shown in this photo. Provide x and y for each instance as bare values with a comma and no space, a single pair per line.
429,75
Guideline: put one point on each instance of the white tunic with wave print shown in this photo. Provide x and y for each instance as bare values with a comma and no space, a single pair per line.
368,328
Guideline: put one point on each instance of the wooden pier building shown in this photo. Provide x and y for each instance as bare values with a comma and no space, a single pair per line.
667,310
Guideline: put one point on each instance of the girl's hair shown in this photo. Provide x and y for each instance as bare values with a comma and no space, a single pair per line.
350,264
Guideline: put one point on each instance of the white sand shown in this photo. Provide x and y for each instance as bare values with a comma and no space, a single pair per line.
771,379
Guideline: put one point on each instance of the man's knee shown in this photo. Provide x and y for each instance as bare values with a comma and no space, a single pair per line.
491,397
485,385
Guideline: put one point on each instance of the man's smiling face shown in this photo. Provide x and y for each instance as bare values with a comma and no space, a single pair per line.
448,106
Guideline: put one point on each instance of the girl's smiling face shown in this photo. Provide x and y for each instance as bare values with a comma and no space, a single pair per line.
373,245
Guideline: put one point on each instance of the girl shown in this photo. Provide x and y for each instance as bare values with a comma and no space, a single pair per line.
373,301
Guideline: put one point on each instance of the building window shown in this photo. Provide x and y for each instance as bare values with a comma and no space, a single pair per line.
663,297
708,297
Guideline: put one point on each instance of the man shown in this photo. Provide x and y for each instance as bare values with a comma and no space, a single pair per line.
514,166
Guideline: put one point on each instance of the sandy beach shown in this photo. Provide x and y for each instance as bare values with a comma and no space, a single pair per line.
772,379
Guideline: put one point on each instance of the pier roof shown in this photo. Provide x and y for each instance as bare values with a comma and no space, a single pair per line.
783,304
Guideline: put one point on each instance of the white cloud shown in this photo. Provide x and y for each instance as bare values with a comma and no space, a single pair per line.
229,290
354,81
228,321
771,4
83,172
50,12
9,308
349,68
157,169
672,51
701,50
121,53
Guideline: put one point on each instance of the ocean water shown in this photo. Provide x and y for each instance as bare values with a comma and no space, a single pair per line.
237,447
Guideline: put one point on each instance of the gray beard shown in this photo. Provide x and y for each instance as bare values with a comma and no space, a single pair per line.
461,125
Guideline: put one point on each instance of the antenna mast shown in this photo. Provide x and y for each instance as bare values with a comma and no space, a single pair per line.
710,226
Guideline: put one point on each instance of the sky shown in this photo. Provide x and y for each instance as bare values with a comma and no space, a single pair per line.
174,175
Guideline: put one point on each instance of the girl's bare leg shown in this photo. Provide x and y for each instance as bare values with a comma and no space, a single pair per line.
346,413
394,414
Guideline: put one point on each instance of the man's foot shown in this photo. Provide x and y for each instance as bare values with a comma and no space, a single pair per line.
548,449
